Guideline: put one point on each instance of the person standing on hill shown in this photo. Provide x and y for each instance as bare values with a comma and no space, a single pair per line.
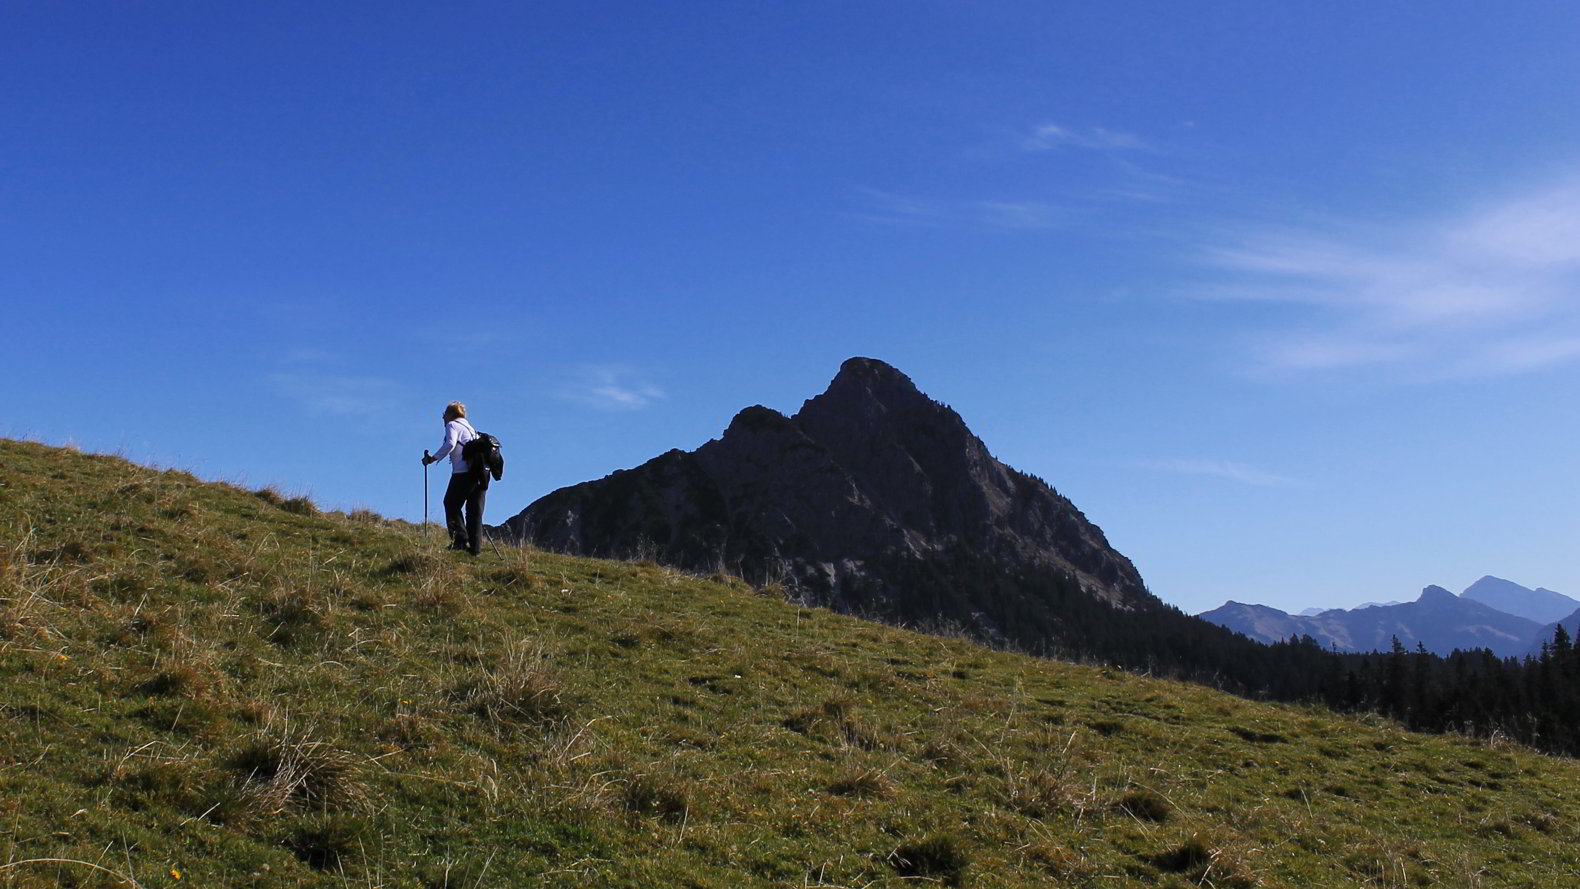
467,488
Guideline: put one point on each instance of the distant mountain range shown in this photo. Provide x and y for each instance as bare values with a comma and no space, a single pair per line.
1492,613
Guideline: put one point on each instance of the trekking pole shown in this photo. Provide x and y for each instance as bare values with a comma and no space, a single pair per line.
425,459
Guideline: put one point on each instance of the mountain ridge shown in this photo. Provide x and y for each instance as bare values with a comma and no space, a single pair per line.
1438,619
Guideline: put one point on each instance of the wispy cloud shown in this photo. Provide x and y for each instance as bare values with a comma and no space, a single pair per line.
1051,136
888,208
1494,290
337,394
1016,214
1221,469
610,388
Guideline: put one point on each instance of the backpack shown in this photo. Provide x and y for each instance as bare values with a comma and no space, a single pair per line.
482,455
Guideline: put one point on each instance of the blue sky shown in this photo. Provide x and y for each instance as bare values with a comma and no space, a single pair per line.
1283,296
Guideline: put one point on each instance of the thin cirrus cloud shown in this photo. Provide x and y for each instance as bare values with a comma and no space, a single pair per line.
1227,470
610,388
1051,136
1134,184
888,208
337,394
1491,291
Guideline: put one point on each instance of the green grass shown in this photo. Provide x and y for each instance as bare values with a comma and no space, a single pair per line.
233,686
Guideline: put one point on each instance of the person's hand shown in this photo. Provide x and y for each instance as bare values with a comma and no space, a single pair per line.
426,459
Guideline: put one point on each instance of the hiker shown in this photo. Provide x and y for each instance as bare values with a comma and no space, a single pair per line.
467,487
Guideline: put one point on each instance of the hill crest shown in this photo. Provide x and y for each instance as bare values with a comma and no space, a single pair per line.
229,686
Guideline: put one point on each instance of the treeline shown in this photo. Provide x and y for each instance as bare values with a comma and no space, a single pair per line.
1534,701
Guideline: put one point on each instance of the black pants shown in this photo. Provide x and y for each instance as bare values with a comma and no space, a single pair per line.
466,489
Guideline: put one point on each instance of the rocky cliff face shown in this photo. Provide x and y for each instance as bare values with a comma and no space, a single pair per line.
873,499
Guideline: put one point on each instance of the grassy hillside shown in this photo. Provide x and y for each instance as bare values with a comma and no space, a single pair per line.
208,686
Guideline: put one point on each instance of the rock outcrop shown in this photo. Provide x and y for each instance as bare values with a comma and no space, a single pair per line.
873,499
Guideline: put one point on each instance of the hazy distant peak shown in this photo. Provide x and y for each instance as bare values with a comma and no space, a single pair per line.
1540,605
1489,586
1250,605
1436,595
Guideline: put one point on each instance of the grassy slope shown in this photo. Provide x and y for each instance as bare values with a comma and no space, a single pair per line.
209,681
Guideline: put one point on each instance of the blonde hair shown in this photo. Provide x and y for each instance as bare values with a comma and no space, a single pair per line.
455,410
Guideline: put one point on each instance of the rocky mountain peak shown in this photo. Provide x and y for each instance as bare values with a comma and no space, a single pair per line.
874,374
869,394
1436,595
871,498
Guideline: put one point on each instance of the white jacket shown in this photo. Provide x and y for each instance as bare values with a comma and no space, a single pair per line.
457,433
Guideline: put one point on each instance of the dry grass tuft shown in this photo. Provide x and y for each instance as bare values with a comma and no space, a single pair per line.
518,578
658,796
437,580
1043,784
292,617
865,783
944,752
1035,792
523,690
286,767
186,679
1145,804
1204,861
413,563
1067,867
834,721
939,858
157,772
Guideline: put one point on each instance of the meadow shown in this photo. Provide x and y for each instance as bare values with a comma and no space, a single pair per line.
207,685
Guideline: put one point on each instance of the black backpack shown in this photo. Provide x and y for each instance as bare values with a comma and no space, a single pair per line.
482,455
